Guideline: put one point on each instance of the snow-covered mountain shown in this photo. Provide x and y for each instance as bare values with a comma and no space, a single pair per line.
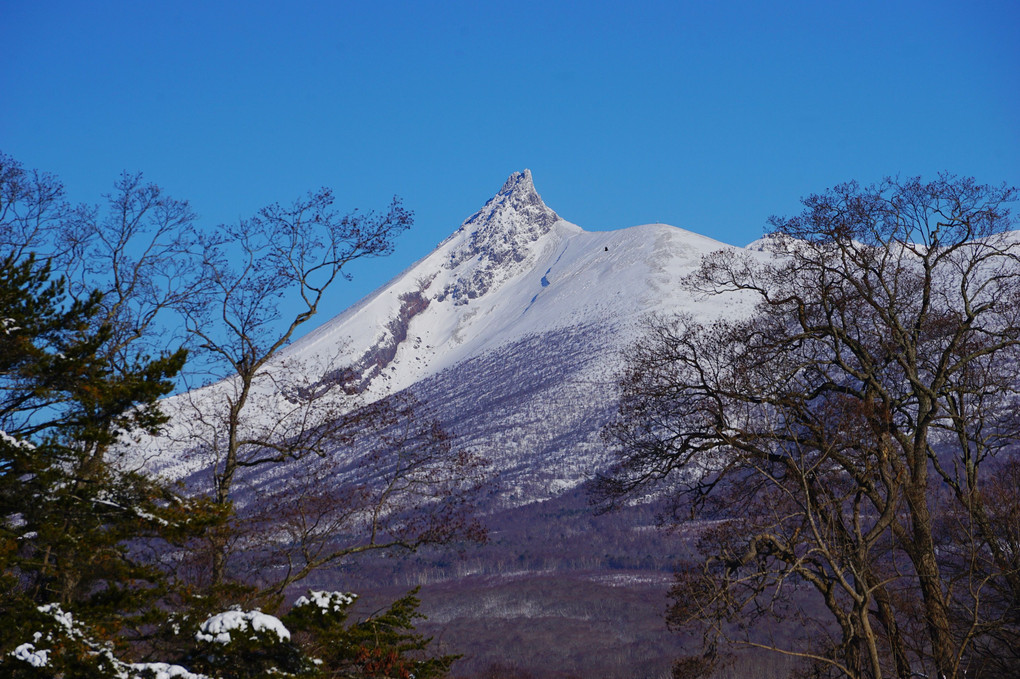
513,269
513,331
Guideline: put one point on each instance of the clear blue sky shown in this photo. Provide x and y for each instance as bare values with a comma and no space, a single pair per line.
705,115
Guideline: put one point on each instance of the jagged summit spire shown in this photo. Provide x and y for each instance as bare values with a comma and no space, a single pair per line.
500,235
517,200
520,182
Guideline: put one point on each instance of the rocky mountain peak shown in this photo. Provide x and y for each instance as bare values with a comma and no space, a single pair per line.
516,202
521,189
499,236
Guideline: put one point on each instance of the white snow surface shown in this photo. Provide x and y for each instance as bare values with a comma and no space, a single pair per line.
327,601
217,629
568,276
27,653
162,670
17,443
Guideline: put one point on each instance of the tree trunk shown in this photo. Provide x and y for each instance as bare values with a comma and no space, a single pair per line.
936,611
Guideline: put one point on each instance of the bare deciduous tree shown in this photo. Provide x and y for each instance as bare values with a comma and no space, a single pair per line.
126,262
345,494
32,207
136,251
841,435
236,297
266,278
79,376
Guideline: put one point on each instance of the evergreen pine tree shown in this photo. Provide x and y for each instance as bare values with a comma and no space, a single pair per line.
78,536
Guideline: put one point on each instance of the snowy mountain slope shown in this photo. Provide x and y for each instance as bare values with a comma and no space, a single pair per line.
511,330
511,270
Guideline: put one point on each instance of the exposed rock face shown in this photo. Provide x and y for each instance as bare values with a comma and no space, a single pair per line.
500,236
497,244
378,357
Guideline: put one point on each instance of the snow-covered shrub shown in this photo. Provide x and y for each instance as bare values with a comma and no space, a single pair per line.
326,602
218,628
239,644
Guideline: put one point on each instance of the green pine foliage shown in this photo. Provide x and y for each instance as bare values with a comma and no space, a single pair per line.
316,639
74,530
381,646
